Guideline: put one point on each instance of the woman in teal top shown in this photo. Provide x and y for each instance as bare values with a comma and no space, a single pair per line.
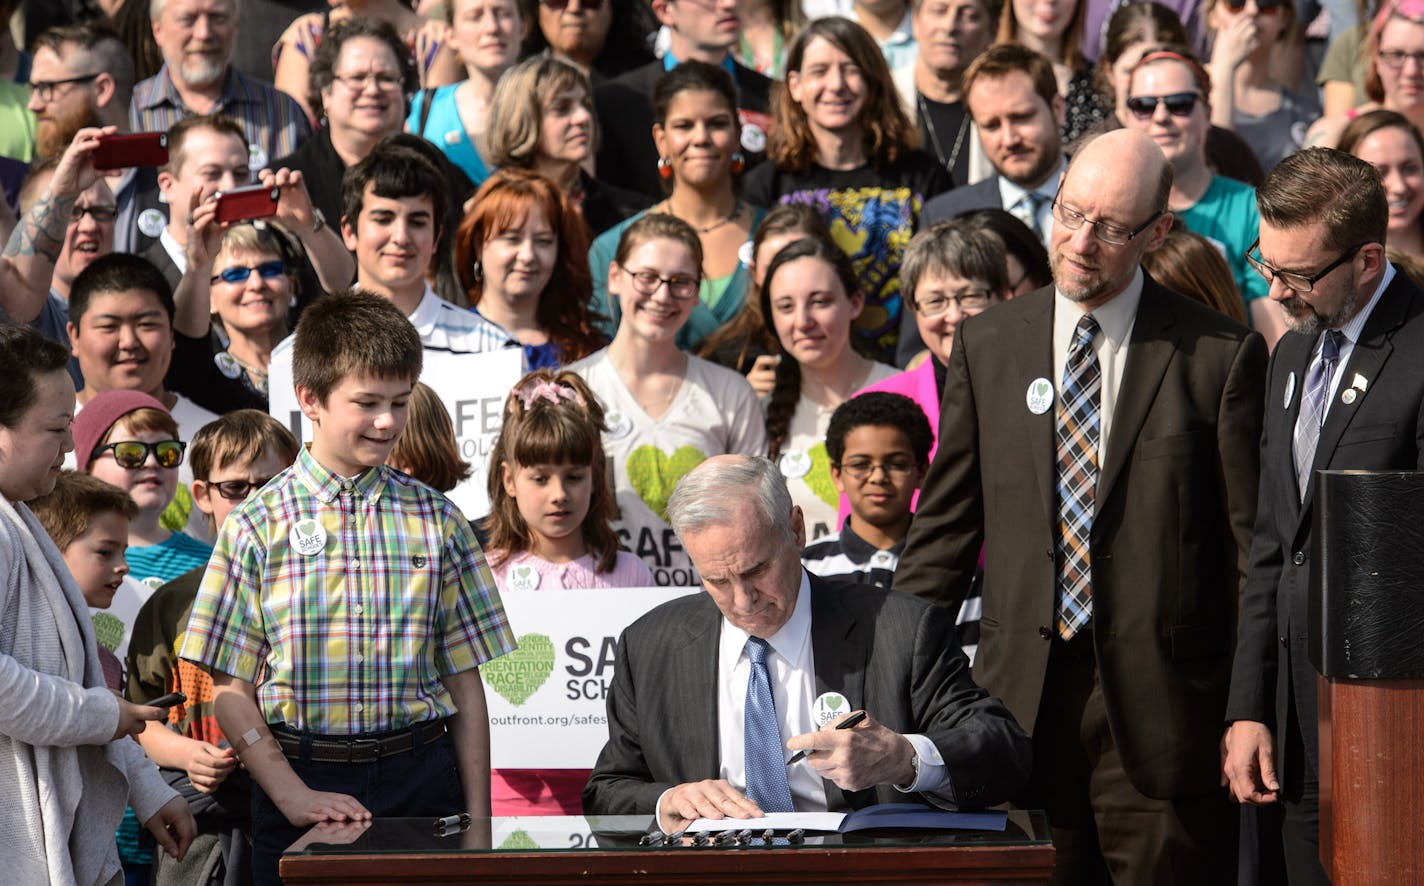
697,135
487,35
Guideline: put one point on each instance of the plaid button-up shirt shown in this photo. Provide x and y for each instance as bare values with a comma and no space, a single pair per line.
354,636
275,124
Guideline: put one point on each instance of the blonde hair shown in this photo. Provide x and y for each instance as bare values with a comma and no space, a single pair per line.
516,110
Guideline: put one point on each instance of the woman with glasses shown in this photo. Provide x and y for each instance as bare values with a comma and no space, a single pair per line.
360,77
1167,99
520,256
844,144
421,45
1394,78
542,119
1247,95
810,298
665,410
454,118
1389,142
698,140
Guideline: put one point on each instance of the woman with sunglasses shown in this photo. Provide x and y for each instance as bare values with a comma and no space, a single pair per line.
844,144
665,410
487,35
1394,78
602,38
698,140
1167,99
1246,95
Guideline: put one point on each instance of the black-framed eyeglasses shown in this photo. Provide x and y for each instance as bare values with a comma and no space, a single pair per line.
1295,281
133,454
238,274
646,282
1109,233
863,468
238,490
560,5
974,300
1179,104
45,88
100,214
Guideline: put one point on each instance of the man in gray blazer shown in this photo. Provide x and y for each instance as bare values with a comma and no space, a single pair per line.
684,710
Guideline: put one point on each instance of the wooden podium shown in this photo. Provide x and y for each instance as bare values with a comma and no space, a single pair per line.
1367,641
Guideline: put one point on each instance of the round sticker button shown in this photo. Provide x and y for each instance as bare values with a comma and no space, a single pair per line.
1039,396
524,578
619,425
753,138
795,465
308,537
828,708
151,222
227,364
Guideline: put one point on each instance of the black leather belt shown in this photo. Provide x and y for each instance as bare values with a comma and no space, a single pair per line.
359,750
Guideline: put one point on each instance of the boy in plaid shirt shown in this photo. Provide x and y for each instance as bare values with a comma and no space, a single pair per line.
347,607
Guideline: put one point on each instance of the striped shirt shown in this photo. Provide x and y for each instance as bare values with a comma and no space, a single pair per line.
448,327
354,636
845,555
275,124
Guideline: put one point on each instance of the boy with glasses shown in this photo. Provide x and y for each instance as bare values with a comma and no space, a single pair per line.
231,458
879,447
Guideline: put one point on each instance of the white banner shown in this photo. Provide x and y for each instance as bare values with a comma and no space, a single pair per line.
472,387
546,699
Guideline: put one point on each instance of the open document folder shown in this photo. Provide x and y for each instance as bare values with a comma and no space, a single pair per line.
889,815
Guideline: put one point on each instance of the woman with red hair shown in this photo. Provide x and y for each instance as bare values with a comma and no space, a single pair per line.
521,256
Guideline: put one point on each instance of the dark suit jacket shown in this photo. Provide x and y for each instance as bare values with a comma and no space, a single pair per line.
1383,429
627,157
980,195
159,256
1176,499
888,653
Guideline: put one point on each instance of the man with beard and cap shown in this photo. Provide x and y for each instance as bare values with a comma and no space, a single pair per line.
83,75
196,38
1098,441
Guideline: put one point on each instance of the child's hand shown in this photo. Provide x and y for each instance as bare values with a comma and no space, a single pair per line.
133,718
208,765
309,807
173,827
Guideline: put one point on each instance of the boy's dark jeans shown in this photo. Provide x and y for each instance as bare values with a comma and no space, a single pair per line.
421,782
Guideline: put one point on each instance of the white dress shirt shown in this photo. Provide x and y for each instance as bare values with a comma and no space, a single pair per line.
1011,194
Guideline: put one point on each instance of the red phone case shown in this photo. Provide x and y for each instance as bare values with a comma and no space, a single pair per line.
253,201
131,149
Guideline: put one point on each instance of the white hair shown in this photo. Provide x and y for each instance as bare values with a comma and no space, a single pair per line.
710,495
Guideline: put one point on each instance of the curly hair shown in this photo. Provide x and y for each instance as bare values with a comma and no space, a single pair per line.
880,409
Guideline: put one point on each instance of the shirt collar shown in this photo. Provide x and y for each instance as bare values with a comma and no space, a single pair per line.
425,315
234,91
790,640
327,486
858,550
1115,318
1011,192
904,34
729,65
1356,325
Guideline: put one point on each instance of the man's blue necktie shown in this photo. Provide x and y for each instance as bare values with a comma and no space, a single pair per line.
765,758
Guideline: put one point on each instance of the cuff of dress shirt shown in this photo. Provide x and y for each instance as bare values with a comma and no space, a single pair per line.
933,775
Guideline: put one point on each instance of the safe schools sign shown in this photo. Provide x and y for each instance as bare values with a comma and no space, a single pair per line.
547,698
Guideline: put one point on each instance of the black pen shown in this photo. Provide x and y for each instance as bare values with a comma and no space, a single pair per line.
848,723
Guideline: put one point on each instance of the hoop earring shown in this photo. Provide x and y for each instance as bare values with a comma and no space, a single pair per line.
664,169
477,273
739,163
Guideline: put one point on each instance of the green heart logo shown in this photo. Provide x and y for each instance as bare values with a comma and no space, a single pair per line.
1040,389
519,674
307,527
519,840
108,630
654,475
834,702
818,479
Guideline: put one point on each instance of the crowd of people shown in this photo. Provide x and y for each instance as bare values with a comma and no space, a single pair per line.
962,299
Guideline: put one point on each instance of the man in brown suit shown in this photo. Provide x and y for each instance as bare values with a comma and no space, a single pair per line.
1099,438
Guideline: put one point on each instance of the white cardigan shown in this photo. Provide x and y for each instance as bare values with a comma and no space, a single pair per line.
63,780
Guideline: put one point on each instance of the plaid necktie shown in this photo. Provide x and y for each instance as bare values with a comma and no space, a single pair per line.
1078,427
1312,407
1026,211
765,758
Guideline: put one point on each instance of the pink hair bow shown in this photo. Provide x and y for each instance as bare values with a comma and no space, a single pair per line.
546,390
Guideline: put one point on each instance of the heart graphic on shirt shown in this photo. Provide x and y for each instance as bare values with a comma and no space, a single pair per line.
818,479
108,630
654,475
519,840
519,674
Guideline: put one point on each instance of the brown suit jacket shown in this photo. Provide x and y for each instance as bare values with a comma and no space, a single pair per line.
1176,501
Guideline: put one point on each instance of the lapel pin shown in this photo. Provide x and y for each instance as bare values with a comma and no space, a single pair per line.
1348,397
1039,396
1290,391
1360,383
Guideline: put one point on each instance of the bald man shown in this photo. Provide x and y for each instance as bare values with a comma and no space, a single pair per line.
1099,437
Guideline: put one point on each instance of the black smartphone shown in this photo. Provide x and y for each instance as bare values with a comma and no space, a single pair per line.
168,701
